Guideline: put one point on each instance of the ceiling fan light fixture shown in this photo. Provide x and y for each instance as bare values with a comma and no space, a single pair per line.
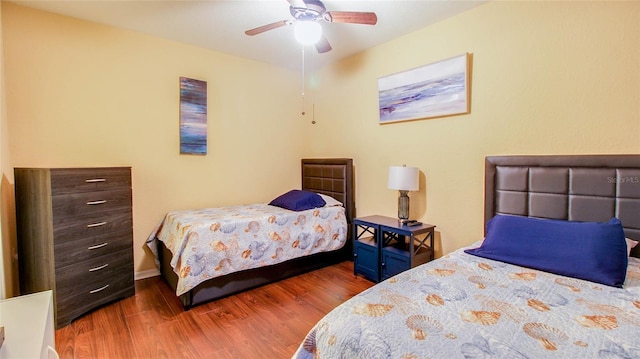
307,32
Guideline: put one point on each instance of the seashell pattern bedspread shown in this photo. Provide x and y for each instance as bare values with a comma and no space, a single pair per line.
212,242
463,306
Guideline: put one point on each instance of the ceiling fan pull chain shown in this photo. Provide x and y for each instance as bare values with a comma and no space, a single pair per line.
314,84
303,80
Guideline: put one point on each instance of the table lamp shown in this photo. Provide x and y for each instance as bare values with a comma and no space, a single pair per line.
403,179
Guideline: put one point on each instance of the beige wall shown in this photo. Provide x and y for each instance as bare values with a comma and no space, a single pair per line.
83,94
548,78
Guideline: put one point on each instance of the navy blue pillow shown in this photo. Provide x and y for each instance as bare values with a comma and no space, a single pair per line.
593,251
298,200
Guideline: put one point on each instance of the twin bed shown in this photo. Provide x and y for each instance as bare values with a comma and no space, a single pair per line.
211,253
551,212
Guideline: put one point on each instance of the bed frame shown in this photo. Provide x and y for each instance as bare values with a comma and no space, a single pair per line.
333,177
573,187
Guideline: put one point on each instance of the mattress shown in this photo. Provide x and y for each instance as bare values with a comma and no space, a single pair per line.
463,306
212,242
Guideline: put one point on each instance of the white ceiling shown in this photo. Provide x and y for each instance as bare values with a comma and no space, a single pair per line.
219,25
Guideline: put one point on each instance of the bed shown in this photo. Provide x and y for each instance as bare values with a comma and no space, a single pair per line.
566,214
329,241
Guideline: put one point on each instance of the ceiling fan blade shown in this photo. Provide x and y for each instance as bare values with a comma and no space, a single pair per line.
323,45
352,17
297,3
263,28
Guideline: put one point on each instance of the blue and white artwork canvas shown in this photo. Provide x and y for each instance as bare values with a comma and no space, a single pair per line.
434,90
193,116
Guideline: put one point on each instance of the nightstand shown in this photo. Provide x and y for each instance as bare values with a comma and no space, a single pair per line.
383,247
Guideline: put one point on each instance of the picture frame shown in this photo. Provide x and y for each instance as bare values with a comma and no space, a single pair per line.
438,89
193,116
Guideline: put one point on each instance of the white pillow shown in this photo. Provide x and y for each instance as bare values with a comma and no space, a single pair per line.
631,244
330,200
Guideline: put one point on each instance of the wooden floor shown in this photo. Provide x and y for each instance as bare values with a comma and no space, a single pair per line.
267,322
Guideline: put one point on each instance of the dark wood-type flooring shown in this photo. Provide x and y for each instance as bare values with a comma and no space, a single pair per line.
266,322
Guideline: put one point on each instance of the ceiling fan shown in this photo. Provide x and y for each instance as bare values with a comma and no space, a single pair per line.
310,11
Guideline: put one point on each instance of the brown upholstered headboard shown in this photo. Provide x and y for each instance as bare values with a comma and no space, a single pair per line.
333,177
573,187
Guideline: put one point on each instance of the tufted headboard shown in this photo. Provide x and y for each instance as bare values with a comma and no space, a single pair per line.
333,177
571,187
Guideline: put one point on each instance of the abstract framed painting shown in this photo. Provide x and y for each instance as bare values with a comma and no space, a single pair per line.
435,90
193,116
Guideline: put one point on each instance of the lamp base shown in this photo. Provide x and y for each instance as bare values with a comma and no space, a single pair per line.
403,221
403,207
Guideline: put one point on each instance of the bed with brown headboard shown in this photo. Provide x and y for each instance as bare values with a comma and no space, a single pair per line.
332,177
554,276
576,188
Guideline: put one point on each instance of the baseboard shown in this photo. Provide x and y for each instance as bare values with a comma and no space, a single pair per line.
146,274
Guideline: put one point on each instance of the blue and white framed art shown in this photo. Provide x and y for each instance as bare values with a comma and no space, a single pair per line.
434,90
193,116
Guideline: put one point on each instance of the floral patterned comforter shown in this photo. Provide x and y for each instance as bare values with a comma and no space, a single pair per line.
212,242
463,306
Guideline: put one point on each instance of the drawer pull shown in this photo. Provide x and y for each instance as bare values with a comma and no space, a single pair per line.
94,180
98,246
99,289
96,224
91,203
99,267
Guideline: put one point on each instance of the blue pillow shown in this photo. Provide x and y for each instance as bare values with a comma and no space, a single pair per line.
593,251
298,200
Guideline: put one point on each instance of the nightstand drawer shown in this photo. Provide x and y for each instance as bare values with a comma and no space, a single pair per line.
70,205
76,180
73,252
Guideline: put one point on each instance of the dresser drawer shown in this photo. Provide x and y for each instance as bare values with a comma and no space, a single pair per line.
93,276
71,252
86,292
74,180
92,225
81,304
70,205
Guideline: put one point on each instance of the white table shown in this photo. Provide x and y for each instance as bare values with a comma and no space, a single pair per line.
28,326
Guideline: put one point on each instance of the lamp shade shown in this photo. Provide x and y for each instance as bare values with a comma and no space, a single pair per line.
307,32
403,178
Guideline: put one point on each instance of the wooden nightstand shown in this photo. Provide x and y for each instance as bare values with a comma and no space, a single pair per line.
383,247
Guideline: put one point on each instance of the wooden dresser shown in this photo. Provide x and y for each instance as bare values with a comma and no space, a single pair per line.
75,236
